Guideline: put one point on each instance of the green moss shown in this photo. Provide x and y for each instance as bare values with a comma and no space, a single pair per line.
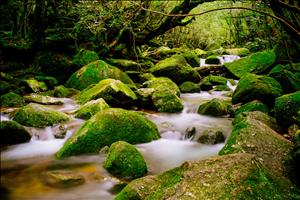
205,84
189,87
125,161
11,100
252,106
13,133
123,64
107,127
214,107
32,85
287,77
242,52
286,109
177,69
41,99
114,92
200,53
94,72
39,116
254,87
255,63
4,87
48,80
62,91
212,60
91,108
163,83
84,57
191,58
221,88
217,80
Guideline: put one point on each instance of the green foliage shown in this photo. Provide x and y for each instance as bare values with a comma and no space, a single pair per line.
13,133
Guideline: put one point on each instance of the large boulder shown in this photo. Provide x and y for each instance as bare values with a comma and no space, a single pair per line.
236,176
256,63
114,92
11,100
13,133
165,96
189,87
125,161
254,137
177,69
107,127
287,77
89,109
287,109
94,72
39,116
191,58
252,106
257,87
214,107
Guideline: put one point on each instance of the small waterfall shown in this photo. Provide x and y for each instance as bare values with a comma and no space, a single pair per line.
223,59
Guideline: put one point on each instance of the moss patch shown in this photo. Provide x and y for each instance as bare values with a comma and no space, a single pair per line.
84,57
252,106
13,133
91,108
214,107
107,127
255,63
62,91
125,161
189,87
242,52
11,100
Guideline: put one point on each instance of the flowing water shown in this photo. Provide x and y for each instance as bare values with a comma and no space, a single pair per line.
23,165
223,59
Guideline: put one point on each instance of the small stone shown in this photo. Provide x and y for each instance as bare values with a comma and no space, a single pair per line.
62,178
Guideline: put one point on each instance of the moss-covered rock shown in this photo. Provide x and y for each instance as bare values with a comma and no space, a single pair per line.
39,116
125,161
177,69
214,107
212,60
257,87
221,88
205,84
200,53
94,72
217,80
13,133
211,136
107,127
32,85
146,77
236,176
11,100
50,82
62,91
259,116
165,96
91,108
242,52
252,106
161,53
84,57
4,87
256,63
144,97
254,137
124,64
189,87
46,100
114,92
286,109
62,178
287,77
191,58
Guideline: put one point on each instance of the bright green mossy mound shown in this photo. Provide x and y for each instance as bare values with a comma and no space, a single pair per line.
237,176
32,85
177,69
62,91
91,108
39,116
252,106
191,58
114,92
13,133
94,72
208,82
123,64
125,161
221,88
214,107
255,63
165,96
287,77
286,109
217,80
189,87
107,127
212,60
238,51
84,57
255,87
255,137
11,100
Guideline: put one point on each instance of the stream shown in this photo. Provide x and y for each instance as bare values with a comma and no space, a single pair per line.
23,165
